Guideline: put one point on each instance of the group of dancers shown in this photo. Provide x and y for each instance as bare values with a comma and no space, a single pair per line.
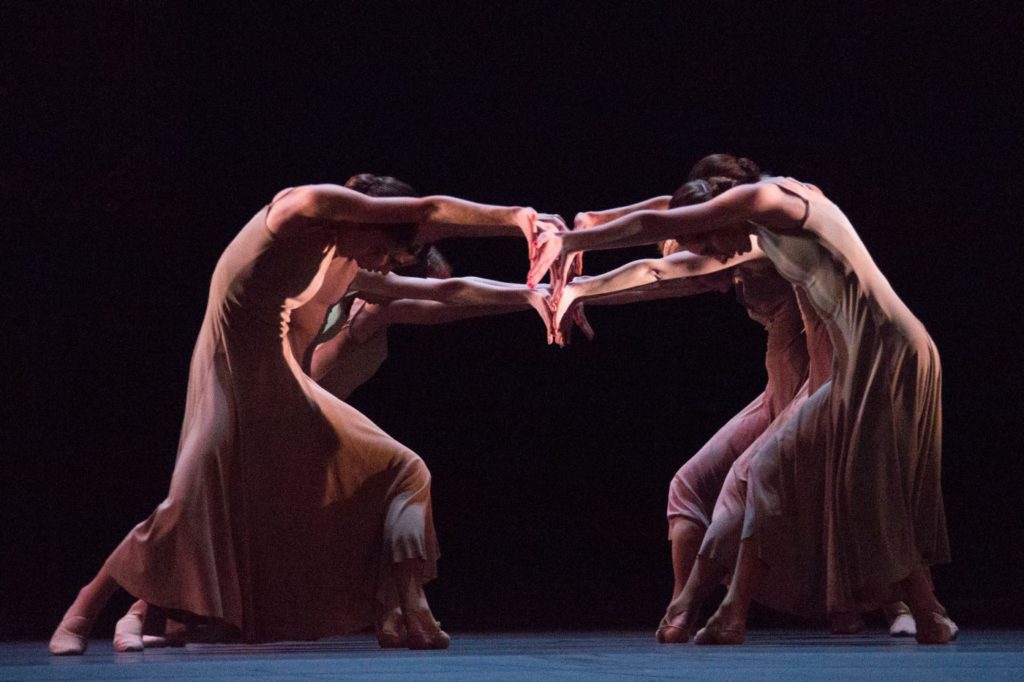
290,515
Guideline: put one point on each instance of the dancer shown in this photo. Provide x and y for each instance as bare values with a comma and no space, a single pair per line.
768,299
290,514
844,508
347,350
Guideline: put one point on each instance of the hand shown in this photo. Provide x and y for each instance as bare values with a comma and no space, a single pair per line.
548,249
528,225
540,300
569,316
553,219
584,220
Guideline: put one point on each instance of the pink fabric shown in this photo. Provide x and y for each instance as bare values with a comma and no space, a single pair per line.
769,300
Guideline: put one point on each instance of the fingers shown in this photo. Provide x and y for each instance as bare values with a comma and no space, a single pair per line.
554,219
549,249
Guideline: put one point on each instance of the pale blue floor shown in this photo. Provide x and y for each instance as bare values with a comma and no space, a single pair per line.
780,654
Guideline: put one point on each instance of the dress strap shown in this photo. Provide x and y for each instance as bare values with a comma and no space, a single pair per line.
796,189
277,198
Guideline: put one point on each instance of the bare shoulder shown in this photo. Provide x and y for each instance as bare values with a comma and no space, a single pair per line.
785,209
286,209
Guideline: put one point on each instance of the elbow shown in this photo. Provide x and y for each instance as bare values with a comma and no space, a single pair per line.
449,290
653,270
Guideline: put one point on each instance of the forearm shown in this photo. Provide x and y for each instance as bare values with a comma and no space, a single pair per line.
454,291
657,272
452,217
594,218
435,312
673,288
650,226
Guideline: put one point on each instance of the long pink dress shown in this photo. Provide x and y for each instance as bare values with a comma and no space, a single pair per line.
768,299
722,540
287,508
846,497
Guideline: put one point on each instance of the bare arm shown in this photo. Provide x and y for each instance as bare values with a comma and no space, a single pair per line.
656,272
453,291
588,219
762,201
648,279
408,311
649,226
438,217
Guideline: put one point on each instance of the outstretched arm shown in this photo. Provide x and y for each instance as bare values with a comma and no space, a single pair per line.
677,275
588,219
438,217
372,319
761,201
454,290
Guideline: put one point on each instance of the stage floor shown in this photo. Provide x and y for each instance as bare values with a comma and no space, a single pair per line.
784,654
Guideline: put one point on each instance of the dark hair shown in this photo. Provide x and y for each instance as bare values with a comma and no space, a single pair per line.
386,186
742,170
697,192
380,186
430,263
700,190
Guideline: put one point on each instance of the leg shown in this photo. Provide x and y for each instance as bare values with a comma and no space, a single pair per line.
682,613
686,537
729,624
423,631
933,625
71,638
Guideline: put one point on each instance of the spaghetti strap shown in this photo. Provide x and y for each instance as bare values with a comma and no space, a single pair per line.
786,185
280,195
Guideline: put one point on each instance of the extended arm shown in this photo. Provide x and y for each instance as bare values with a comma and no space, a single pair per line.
677,275
588,219
454,291
744,202
438,217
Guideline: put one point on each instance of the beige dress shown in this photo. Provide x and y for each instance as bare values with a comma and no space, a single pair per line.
846,497
287,508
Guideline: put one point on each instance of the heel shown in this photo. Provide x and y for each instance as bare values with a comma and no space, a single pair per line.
424,632
391,631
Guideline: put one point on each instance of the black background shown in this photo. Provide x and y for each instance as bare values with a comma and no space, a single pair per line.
140,136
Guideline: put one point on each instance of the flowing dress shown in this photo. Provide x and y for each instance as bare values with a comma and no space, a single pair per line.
769,300
287,508
845,499
721,542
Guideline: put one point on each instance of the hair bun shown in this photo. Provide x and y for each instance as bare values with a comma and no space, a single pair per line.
750,168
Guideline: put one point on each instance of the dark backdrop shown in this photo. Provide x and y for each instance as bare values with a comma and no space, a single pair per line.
140,136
